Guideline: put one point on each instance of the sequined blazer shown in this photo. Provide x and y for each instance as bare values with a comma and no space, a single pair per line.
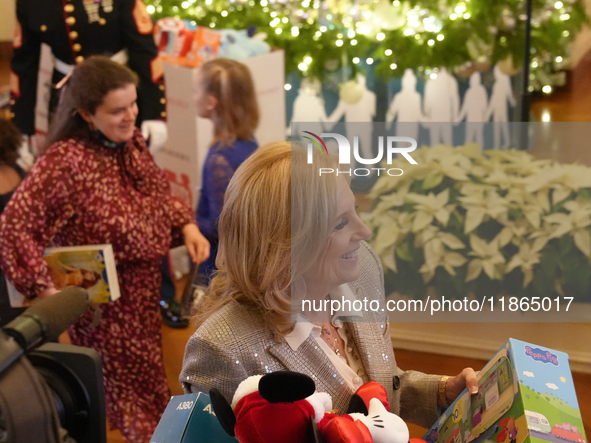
234,344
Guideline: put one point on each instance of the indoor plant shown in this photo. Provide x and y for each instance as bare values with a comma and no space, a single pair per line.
486,223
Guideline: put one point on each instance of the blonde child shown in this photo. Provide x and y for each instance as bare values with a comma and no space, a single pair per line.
224,94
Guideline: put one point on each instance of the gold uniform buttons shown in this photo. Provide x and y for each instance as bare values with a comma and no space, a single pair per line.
102,21
73,35
76,47
163,114
70,21
69,7
161,87
43,28
79,59
162,100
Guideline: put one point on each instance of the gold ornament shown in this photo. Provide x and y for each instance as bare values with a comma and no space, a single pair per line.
482,65
466,70
507,66
351,92
389,17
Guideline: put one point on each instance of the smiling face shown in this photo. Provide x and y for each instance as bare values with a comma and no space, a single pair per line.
338,263
115,116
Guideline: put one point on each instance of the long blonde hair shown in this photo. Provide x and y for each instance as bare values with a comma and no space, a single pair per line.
274,224
236,114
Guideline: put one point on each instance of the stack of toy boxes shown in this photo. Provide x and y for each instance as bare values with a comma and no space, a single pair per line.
525,394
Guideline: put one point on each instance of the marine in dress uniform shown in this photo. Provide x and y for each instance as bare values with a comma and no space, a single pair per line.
75,30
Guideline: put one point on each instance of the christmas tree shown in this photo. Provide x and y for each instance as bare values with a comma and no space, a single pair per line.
322,36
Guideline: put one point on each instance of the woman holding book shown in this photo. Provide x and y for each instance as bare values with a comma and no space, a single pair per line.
97,183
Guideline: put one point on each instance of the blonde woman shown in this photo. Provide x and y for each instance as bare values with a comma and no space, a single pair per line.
224,94
288,235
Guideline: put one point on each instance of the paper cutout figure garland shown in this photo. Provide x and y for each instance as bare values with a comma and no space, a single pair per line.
406,107
501,93
309,107
440,104
474,110
362,111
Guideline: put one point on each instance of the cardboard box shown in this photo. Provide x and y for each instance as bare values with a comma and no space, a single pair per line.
190,419
189,137
526,394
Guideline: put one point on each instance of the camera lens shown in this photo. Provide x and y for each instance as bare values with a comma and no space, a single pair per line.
70,398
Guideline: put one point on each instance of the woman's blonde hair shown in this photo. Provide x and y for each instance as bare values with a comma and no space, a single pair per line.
236,114
276,218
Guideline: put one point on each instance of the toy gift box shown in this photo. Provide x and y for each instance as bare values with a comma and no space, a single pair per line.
525,394
190,419
185,44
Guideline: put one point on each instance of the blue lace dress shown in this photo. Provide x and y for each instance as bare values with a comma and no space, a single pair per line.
219,167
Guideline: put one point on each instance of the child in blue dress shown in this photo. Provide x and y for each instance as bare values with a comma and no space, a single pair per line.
225,94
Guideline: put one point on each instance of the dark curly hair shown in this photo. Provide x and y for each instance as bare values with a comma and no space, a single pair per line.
10,141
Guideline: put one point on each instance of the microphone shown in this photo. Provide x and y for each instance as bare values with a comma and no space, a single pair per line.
48,318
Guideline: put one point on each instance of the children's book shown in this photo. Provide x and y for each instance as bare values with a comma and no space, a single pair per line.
91,267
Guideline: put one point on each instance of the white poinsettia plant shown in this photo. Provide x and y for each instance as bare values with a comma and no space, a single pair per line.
463,221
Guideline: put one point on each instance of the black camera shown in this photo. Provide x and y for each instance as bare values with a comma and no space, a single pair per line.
55,393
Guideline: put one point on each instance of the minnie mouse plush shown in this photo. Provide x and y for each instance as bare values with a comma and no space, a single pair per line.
276,407
378,425
285,407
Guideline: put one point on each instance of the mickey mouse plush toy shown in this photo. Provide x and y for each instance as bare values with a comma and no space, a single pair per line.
284,407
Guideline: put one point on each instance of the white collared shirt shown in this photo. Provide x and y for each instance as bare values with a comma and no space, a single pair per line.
352,373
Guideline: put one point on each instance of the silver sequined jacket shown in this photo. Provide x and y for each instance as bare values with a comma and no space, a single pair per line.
234,344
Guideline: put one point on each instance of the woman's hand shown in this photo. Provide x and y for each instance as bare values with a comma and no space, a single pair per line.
47,293
455,385
197,245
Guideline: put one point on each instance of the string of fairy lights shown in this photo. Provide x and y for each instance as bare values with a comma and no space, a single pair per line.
321,37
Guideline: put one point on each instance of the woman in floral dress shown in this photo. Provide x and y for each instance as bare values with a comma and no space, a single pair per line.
97,183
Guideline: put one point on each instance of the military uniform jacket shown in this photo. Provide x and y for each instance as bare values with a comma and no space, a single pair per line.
76,29
234,344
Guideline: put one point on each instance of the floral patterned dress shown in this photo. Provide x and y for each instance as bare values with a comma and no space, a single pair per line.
81,194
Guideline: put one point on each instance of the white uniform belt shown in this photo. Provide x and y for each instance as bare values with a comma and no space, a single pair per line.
120,57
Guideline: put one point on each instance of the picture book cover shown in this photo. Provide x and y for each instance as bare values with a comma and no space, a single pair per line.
91,267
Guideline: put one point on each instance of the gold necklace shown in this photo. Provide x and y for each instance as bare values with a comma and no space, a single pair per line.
331,342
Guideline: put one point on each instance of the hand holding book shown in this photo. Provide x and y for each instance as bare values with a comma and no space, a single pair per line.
47,293
91,267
